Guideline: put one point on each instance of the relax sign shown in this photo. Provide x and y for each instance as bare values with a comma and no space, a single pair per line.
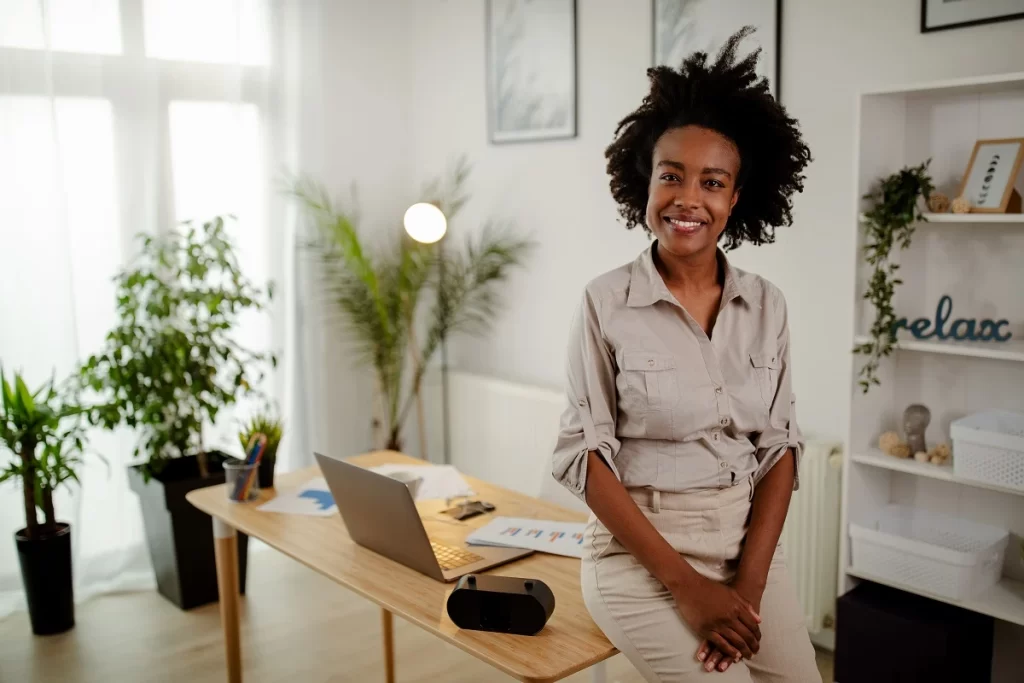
961,328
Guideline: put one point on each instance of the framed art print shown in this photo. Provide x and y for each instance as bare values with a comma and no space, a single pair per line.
939,15
991,174
531,70
684,26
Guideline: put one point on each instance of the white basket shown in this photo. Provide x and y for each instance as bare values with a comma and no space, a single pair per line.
934,553
989,447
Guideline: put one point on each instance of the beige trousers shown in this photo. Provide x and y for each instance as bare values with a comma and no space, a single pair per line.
637,613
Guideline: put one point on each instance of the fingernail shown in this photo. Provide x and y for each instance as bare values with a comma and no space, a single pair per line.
701,656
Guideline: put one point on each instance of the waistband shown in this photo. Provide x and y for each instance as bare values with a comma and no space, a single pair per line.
740,493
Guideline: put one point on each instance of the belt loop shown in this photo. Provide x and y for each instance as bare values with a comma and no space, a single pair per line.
750,480
656,503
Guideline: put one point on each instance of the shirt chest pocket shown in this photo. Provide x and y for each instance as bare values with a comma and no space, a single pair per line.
766,372
650,381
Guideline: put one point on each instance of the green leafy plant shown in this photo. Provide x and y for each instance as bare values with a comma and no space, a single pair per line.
380,293
265,421
889,221
170,364
44,431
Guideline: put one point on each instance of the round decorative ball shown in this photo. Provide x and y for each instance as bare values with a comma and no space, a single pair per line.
921,456
901,451
960,205
938,203
888,441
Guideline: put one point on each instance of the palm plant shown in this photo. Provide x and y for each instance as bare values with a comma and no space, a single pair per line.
44,431
380,293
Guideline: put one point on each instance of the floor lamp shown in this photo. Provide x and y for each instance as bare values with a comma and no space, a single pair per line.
427,224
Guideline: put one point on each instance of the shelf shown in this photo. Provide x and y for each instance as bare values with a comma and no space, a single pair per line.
1012,350
1005,600
970,218
876,458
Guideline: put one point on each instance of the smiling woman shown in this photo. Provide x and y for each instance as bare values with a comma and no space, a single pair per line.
680,433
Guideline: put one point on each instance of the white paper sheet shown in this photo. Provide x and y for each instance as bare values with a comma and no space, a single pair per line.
557,538
439,481
312,498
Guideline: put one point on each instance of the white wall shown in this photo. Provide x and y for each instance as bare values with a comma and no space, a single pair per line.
831,51
358,132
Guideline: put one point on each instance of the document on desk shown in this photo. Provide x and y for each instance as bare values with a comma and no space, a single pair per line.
312,498
438,481
557,538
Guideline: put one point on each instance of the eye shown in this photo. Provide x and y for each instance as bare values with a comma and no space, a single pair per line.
669,177
714,183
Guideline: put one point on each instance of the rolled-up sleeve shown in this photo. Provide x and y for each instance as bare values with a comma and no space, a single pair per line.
782,432
588,422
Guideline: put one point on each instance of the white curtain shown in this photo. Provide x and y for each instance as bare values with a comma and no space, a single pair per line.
127,116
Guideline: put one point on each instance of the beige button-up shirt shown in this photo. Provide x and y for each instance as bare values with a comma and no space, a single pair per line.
665,406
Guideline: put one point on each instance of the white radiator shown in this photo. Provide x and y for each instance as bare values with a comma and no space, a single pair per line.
811,537
504,432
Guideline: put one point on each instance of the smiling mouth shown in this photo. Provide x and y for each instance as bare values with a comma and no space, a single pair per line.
686,226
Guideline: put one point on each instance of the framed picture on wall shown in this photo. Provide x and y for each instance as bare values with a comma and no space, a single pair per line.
991,175
684,26
939,15
531,70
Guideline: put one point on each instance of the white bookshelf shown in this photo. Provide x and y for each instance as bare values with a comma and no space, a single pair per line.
876,458
969,219
1011,350
978,260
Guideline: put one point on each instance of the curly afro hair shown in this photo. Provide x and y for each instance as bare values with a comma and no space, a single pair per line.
726,96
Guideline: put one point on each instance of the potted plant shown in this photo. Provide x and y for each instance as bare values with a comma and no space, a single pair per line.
167,369
380,293
267,422
43,432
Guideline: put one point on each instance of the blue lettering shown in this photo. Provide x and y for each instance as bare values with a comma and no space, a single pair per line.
942,312
962,329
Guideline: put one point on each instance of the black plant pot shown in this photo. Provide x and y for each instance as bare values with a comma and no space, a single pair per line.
46,575
265,471
179,535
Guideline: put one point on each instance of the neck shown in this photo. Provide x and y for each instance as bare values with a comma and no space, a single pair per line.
696,272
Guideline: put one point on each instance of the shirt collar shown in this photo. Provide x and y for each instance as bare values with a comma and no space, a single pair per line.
647,287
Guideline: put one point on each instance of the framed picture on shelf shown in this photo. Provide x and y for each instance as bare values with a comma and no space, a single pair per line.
531,70
988,183
680,27
939,15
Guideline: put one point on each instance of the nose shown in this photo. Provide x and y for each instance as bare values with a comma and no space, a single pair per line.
687,196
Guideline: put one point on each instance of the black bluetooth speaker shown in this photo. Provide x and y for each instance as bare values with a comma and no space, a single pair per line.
504,604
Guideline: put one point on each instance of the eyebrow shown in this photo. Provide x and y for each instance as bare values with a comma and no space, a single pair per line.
708,169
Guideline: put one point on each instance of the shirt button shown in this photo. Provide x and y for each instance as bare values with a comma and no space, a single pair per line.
714,437
718,390
583,401
651,362
773,359
724,421
724,465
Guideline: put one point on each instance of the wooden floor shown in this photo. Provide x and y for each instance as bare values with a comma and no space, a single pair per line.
296,626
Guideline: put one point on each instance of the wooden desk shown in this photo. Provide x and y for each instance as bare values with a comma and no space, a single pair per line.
569,642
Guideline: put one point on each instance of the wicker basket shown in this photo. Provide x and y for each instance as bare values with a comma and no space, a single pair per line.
932,552
989,447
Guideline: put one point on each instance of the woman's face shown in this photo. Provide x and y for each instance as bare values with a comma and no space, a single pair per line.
692,190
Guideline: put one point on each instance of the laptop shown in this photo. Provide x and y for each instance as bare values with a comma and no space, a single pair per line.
380,514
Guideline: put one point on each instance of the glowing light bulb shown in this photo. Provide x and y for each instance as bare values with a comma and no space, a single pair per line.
425,223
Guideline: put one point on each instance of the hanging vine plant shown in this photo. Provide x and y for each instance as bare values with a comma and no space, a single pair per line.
890,221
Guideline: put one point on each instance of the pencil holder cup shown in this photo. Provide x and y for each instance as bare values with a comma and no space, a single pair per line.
243,482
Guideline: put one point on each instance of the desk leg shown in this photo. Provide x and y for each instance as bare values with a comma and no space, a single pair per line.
225,546
388,633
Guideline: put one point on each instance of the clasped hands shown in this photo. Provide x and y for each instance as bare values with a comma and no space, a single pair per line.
725,616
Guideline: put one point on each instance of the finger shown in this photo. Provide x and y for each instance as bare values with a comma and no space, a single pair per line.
713,661
702,651
722,645
751,610
751,624
744,642
725,664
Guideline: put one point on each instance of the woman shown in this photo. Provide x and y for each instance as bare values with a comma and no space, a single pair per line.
680,434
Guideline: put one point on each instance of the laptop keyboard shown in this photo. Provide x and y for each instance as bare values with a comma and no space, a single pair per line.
453,558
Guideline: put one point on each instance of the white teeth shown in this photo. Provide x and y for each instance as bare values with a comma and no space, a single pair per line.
684,224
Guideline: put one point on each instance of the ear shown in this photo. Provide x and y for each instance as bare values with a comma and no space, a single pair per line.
735,198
